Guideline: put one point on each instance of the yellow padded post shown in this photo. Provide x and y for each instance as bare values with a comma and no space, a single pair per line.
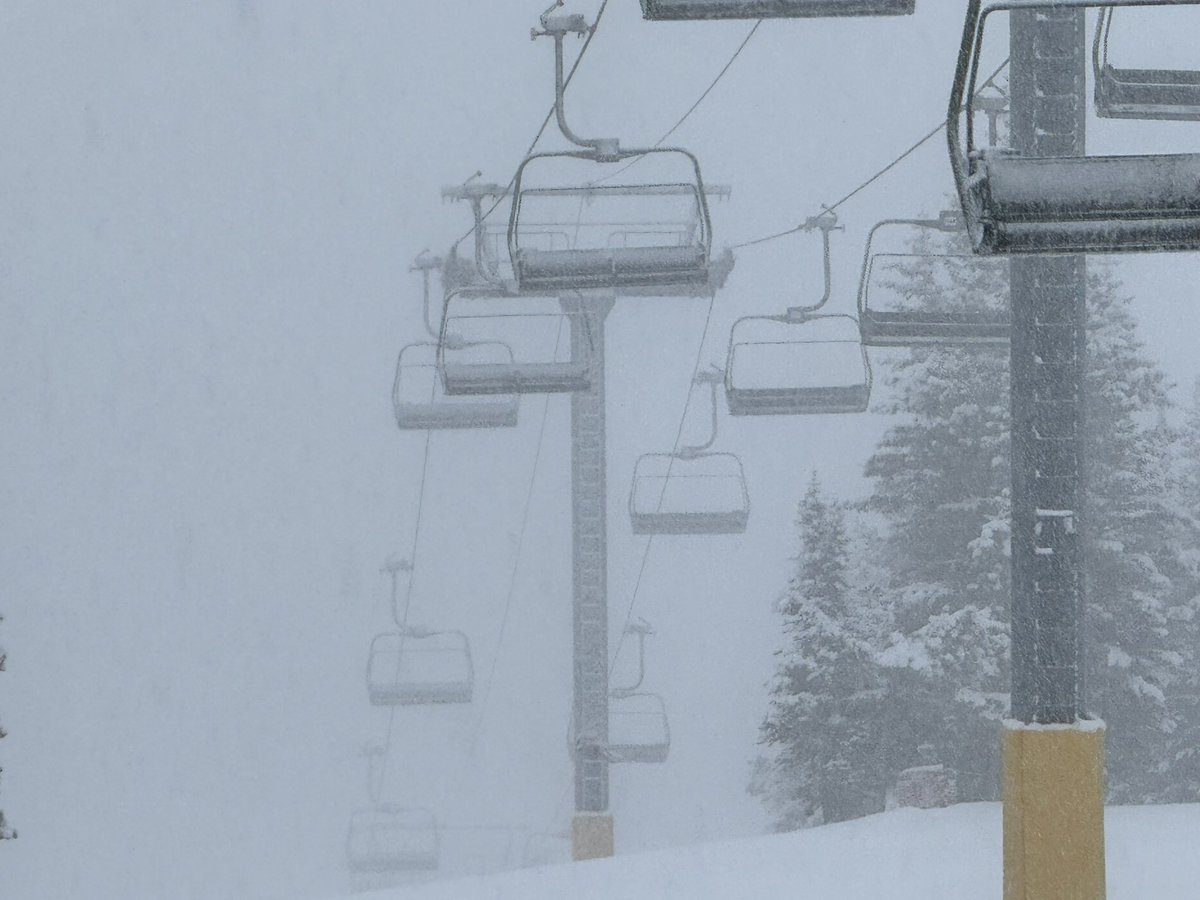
591,836
1054,811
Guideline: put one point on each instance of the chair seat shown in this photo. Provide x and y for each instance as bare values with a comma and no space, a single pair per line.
1159,94
793,401
611,267
444,414
772,9
516,378
732,521
427,693
1098,204
931,327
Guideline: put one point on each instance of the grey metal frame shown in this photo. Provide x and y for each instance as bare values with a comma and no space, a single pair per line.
687,10
684,521
1018,204
640,752
792,400
1155,94
695,521
516,376
924,327
417,692
646,268
445,410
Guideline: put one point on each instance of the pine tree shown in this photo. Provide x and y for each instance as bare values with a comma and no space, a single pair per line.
941,481
1184,615
1135,572
934,659
822,754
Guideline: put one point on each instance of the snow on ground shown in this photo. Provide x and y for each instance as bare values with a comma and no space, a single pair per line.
908,854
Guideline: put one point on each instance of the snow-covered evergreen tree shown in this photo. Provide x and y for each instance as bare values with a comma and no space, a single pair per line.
1183,618
822,749
1138,582
933,664
941,480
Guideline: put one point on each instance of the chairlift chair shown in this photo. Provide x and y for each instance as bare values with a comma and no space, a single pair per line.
420,402
415,666
668,10
691,491
1017,204
686,493
651,236
790,365
490,270
388,838
801,362
418,398
638,731
1156,94
645,238
963,318
572,216
504,344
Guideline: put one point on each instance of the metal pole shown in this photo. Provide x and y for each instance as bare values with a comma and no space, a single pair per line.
592,827
1053,761
1049,101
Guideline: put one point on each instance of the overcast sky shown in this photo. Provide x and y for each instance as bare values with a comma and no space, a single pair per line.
210,212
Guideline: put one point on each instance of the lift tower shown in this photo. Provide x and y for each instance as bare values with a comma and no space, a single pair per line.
587,268
1053,760
592,826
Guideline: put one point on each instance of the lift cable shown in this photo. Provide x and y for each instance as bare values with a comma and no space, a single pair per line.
864,185
708,90
675,449
587,42
512,583
708,319
565,796
402,623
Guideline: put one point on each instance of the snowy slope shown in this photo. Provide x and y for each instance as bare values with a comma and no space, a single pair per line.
901,855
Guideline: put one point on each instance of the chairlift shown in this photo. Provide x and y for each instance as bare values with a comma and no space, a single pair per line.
415,666
420,402
790,365
388,838
652,236
1017,204
504,344
418,398
664,218
938,310
801,362
638,731
672,10
1156,94
651,239
690,491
